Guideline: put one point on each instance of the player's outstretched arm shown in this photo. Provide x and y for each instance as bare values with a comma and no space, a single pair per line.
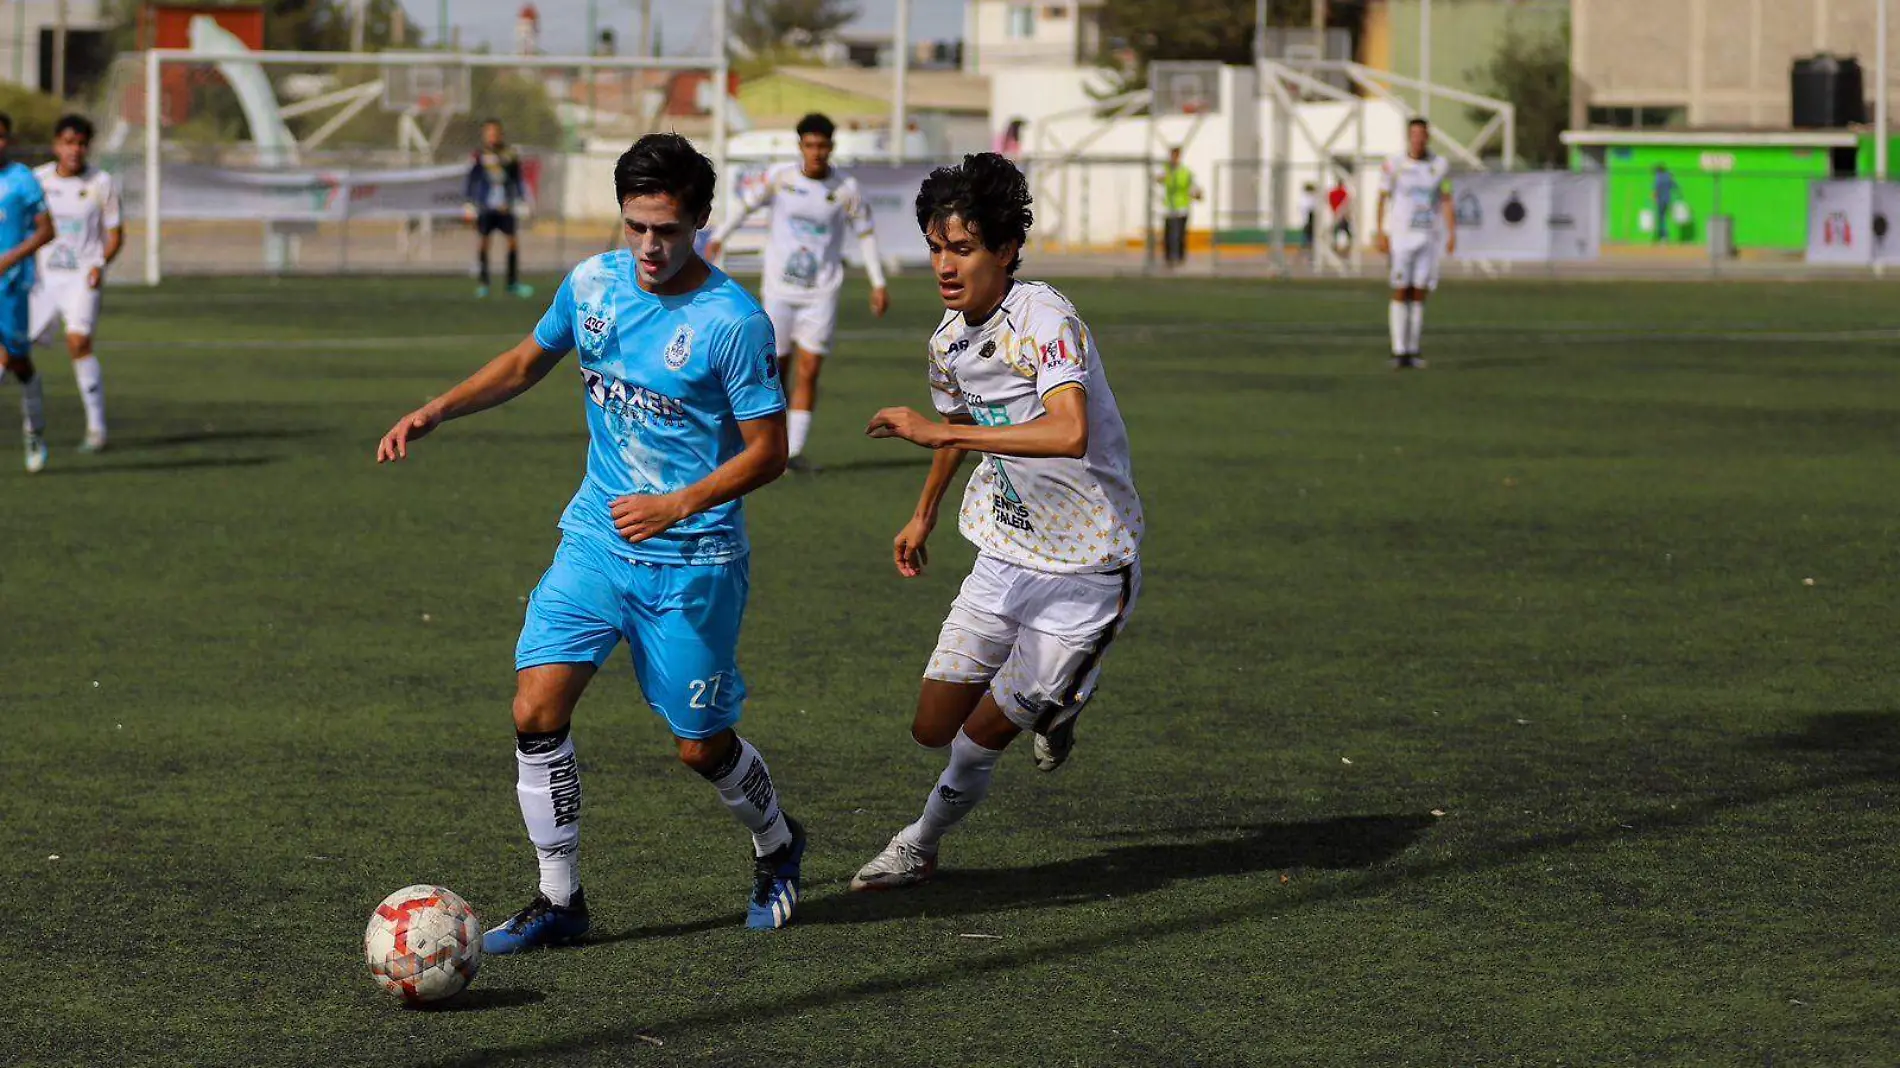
502,379
638,517
1450,211
908,549
1379,240
1062,429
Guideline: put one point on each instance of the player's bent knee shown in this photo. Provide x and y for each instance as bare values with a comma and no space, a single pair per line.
706,755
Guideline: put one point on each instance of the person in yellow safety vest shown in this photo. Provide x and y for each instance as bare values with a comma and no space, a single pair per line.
1179,194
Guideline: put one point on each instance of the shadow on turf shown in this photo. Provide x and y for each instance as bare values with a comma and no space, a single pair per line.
1342,843
482,999
1858,746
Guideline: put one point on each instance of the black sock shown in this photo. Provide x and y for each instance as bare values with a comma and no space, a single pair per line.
483,260
514,268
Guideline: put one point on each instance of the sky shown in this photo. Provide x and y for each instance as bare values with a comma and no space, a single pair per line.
564,22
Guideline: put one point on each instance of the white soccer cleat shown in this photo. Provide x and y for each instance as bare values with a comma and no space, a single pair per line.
35,454
1053,749
95,443
902,865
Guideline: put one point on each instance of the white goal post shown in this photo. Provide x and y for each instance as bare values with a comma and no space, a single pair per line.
155,61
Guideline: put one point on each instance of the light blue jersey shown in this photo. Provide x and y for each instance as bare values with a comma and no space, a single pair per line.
666,380
21,203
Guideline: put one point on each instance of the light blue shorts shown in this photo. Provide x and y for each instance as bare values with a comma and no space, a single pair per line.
680,622
16,320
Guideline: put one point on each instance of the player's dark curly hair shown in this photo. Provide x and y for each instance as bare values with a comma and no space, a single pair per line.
78,124
816,123
988,193
666,163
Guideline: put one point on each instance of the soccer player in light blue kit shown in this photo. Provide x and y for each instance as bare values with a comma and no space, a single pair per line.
25,227
679,381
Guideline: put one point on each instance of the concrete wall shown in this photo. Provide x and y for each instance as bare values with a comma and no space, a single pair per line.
1726,61
990,47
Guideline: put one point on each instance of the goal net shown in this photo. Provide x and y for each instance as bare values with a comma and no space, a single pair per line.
261,162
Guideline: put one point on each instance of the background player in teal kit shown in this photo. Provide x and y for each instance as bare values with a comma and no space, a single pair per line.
679,379
25,226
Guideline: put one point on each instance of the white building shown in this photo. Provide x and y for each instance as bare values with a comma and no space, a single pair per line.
20,29
999,34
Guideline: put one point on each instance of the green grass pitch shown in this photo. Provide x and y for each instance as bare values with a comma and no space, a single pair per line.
1484,716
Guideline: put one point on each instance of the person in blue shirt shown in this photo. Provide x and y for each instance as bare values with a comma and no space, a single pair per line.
685,415
1665,190
25,227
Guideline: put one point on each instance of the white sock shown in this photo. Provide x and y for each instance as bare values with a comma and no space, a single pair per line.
797,426
964,783
548,783
33,404
745,785
1396,319
1414,326
92,390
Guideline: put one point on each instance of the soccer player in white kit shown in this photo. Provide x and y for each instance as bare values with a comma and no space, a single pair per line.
87,236
1052,507
812,203
1416,187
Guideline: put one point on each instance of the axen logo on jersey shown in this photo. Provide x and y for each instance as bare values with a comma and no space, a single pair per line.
957,346
636,404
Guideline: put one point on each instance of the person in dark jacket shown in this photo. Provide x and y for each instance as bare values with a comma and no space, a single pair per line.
493,192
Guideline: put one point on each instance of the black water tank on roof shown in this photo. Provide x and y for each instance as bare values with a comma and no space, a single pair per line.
1827,92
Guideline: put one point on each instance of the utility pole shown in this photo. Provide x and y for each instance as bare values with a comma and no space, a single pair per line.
1425,58
900,59
59,50
442,24
646,27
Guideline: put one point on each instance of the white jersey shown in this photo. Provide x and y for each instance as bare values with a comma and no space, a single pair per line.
804,254
85,208
1416,190
1054,514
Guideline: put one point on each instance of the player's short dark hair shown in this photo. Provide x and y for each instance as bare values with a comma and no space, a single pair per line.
1418,121
6,124
78,124
666,163
988,193
491,121
816,123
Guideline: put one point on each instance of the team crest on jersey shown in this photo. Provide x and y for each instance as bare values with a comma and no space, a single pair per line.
680,349
988,350
768,363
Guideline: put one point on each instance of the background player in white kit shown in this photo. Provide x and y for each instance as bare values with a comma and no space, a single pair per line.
1052,508
812,202
87,237
1416,187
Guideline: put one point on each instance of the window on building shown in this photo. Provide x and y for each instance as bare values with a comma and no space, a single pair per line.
1054,12
1639,117
1022,21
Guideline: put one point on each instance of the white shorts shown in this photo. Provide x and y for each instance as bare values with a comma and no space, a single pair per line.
806,322
1415,262
1037,638
62,295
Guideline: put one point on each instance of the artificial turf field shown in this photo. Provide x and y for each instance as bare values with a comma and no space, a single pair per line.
1482,716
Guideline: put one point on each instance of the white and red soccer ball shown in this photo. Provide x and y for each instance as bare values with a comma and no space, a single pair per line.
423,944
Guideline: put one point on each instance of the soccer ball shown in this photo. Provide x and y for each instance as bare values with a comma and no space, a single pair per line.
423,944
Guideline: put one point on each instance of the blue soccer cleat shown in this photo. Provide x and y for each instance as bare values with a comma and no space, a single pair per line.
542,923
775,883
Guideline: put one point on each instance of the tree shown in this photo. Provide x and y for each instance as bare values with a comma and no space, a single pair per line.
766,25
1220,30
1532,71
